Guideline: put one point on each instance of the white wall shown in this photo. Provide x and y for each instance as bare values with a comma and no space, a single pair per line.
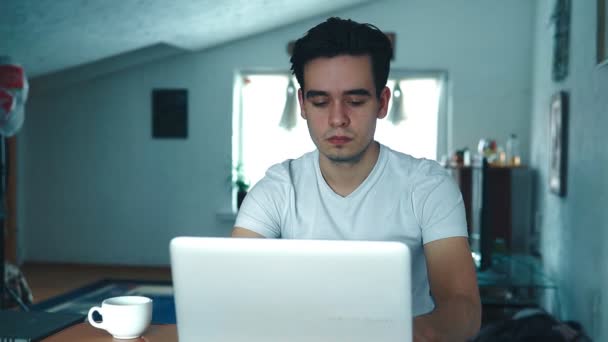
94,187
574,228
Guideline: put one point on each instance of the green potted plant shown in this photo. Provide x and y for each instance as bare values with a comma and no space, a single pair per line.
240,183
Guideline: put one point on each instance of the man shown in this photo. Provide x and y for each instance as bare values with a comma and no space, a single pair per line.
354,188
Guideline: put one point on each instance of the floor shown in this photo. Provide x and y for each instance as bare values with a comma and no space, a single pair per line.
49,280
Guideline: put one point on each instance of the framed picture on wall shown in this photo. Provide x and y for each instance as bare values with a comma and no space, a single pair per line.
602,32
558,134
561,39
170,113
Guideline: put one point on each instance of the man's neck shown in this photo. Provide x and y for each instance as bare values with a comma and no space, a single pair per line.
344,177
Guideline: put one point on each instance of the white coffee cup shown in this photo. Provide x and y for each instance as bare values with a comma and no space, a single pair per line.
124,317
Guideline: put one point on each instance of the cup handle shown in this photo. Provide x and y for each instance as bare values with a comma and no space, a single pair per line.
92,321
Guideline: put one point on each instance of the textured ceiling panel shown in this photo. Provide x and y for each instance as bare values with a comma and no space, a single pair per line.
51,35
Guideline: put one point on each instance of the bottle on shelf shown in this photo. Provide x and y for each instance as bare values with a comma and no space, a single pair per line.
512,153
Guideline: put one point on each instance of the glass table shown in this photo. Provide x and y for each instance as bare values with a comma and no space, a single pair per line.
514,282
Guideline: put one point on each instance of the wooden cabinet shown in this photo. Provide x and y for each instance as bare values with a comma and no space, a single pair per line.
508,203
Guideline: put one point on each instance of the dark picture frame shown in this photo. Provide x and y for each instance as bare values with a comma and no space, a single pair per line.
558,135
170,113
561,39
602,32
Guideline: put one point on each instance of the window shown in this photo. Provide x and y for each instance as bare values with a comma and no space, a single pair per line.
419,128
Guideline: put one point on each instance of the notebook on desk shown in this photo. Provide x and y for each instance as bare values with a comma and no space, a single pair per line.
229,289
25,326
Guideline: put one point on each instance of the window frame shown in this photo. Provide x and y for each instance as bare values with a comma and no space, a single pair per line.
444,117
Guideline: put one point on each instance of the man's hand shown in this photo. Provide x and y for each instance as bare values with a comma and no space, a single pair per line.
453,281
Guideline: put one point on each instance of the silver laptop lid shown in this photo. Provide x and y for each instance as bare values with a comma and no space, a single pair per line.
229,289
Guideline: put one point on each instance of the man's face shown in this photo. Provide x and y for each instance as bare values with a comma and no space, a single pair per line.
340,106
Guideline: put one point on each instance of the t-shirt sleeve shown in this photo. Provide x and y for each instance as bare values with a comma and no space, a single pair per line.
261,209
439,207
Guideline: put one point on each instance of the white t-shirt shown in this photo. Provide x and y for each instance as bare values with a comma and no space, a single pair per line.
405,199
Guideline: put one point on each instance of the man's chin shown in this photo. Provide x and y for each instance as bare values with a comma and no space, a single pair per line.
343,156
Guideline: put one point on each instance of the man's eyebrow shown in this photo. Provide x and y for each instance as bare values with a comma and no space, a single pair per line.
315,93
360,91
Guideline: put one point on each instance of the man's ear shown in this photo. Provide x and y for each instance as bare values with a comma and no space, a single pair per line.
301,102
385,97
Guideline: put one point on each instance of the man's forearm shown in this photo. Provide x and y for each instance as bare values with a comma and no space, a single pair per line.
454,319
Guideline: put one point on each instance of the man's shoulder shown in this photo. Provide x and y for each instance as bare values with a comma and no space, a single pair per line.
411,166
291,169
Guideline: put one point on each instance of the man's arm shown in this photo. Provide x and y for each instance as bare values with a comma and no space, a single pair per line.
453,281
245,233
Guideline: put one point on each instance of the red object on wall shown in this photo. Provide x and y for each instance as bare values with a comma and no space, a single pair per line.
11,77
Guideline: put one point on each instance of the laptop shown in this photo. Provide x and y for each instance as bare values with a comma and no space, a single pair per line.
231,289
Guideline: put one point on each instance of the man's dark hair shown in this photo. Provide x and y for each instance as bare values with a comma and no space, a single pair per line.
336,37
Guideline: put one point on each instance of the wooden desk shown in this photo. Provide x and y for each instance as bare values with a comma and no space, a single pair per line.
87,333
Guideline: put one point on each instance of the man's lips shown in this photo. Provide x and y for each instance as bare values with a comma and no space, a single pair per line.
339,140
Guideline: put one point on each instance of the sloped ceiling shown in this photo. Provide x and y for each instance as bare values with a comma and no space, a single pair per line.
46,36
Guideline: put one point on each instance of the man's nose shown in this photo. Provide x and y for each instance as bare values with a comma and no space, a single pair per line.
338,116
